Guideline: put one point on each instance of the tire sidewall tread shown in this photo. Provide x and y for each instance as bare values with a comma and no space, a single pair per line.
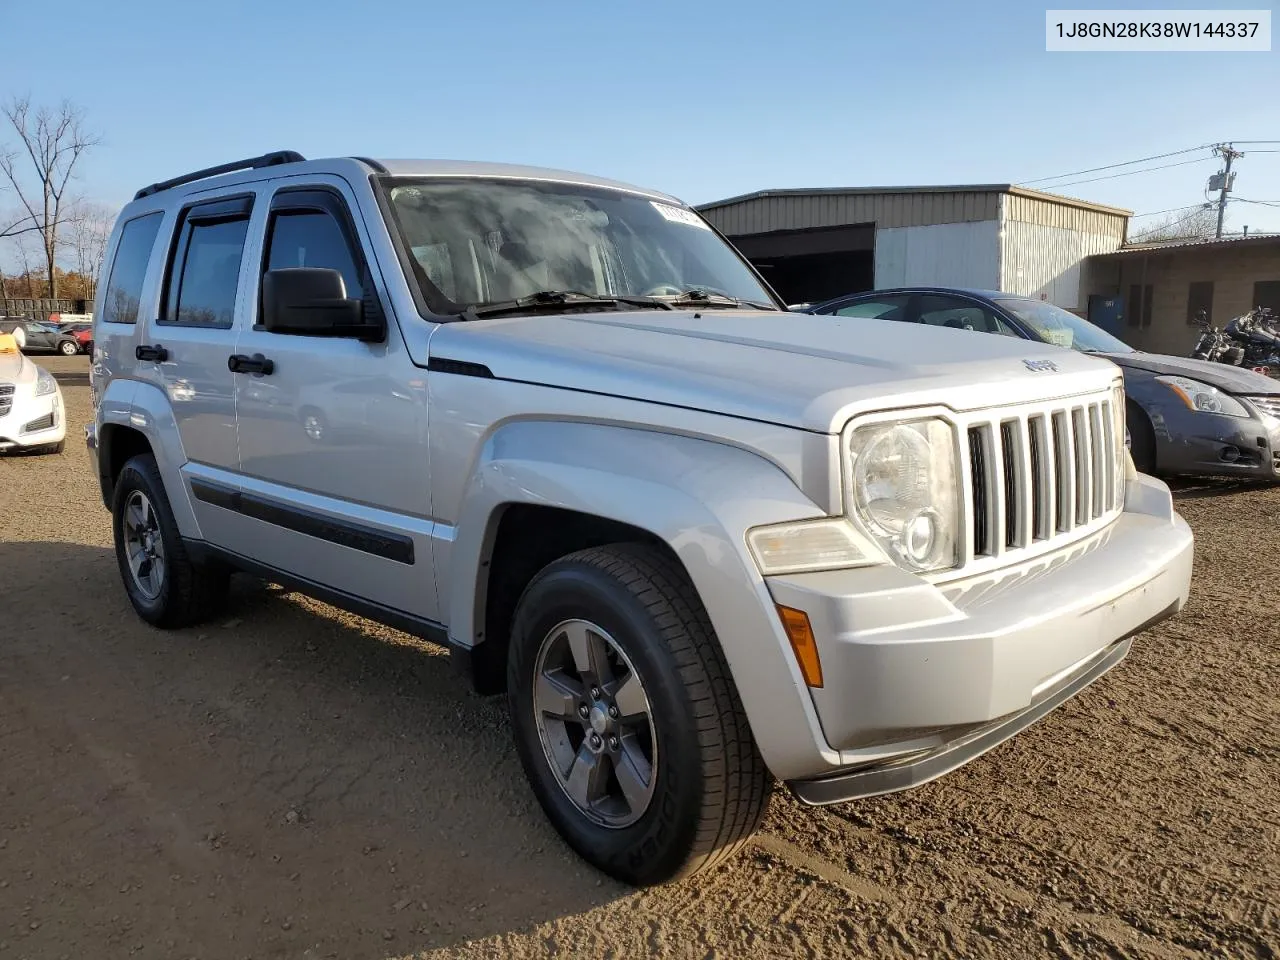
712,786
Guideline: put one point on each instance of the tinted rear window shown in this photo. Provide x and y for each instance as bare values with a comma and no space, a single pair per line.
124,289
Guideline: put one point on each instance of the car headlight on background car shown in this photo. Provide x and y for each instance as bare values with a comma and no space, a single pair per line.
45,384
905,489
1204,398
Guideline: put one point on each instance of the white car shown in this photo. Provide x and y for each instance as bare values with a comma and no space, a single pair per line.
32,415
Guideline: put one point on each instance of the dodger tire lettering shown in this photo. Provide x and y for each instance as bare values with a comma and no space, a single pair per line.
190,591
711,785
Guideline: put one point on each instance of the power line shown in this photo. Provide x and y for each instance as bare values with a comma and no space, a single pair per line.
1129,173
1126,163
1264,203
1155,213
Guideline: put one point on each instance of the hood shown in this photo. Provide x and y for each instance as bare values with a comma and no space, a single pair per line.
14,367
794,369
1221,375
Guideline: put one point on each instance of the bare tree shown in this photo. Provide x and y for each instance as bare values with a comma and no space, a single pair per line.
89,228
1190,223
53,142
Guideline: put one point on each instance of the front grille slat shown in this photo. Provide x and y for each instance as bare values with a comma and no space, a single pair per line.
1040,475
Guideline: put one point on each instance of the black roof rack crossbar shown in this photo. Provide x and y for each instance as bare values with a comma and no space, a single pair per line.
252,163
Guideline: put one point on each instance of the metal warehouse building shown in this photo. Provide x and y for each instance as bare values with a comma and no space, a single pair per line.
814,244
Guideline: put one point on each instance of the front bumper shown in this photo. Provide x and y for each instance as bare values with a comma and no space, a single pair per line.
18,426
922,678
1202,444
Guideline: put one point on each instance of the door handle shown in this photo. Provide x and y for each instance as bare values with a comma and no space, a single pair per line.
156,354
239,363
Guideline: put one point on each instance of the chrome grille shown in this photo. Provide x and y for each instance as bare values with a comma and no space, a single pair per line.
1269,405
1039,476
6,398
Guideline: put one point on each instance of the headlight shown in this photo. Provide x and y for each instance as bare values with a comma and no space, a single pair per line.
905,487
1204,398
807,546
45,384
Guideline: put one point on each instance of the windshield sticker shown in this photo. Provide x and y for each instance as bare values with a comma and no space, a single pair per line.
1059,337
679,215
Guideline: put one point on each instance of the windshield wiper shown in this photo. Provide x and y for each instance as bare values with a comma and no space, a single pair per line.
697,297
557,300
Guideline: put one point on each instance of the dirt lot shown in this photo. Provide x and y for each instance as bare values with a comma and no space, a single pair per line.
291,781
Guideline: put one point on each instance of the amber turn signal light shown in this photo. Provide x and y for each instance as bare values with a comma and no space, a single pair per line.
803,644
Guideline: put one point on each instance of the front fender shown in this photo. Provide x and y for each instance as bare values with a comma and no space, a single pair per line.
144,408
699,497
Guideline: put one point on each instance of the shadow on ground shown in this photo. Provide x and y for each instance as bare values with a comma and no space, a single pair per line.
283,779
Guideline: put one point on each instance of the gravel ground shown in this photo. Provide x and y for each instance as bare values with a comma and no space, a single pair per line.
292,781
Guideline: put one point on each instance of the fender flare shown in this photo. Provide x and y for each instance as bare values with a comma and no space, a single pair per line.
144,408
699,497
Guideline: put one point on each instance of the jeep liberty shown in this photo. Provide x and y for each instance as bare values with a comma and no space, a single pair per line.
560,425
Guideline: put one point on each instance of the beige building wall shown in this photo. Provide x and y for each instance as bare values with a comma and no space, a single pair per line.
1233,270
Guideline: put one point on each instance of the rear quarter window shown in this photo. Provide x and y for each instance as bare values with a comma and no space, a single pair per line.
124,285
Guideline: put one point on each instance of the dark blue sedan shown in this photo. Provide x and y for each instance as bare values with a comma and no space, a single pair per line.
1185,416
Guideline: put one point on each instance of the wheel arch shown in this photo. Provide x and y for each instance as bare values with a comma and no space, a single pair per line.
577,485
135,417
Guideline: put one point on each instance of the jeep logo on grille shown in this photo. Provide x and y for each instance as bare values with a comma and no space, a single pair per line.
1039,366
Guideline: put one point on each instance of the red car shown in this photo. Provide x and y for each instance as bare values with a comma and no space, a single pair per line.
83,332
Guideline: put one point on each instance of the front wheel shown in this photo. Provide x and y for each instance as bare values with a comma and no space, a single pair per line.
68,348
1142,438
626,720
166,587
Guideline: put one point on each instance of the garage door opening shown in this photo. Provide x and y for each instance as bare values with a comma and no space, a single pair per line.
809,266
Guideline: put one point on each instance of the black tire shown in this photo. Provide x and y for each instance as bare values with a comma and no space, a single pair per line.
69,348
1142,438
56,447
710,785
190,592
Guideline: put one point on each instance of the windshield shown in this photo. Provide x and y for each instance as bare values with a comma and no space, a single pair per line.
1055,325
480,241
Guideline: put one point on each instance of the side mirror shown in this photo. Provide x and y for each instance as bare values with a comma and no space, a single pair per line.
313,302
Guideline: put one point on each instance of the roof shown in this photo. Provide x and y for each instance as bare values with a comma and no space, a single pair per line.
1009,188
479,168
1200,243
289,163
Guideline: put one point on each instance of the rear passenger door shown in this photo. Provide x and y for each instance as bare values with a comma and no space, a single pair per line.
184,349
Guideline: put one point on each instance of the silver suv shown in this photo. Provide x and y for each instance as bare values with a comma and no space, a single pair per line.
560,425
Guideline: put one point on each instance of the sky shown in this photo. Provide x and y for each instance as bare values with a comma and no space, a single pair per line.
701,99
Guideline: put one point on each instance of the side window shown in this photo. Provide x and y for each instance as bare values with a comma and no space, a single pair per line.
133,253
939,311
312,238
204,272
881,308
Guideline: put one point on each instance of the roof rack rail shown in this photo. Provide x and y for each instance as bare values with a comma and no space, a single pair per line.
252,163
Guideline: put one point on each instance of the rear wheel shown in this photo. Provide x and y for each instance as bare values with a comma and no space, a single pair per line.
626,720
166,587
1142,438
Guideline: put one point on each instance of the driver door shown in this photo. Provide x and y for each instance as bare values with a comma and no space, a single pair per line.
332,436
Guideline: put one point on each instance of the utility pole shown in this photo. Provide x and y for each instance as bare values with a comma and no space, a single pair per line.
1224,180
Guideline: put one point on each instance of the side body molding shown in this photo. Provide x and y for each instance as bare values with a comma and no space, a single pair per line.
698,496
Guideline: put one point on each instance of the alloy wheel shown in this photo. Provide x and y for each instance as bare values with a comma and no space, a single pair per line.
595,723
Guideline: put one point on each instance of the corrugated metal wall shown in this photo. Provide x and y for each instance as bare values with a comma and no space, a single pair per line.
1043,246
797,211
951,254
